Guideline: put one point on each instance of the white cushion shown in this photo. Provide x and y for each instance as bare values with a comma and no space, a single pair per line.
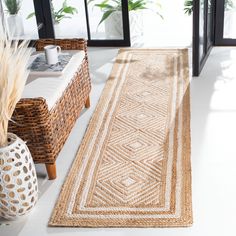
52,88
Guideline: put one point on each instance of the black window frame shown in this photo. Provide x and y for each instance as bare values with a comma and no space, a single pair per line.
44,19
46,29
198,63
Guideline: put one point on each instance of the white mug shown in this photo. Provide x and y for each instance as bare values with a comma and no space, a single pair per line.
51,54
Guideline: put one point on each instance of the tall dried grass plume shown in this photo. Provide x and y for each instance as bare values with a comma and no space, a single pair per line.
14,57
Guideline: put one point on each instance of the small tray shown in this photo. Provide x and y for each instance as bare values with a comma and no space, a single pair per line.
39,65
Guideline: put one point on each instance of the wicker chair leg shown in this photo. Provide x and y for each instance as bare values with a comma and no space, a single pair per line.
87,103
51,170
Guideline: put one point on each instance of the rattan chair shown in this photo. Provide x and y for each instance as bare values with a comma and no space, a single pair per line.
46,131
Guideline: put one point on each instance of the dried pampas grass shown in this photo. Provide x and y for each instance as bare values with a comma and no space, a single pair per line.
14,57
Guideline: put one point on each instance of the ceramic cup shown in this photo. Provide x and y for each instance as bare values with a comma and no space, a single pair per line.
51,54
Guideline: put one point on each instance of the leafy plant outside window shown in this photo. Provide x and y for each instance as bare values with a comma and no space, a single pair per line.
110,6
58,15
188,5
13,6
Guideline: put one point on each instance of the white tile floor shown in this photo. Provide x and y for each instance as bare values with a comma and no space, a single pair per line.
213,118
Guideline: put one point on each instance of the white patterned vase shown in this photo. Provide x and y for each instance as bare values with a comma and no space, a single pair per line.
18,181
57,30
136,24
15,25
114,25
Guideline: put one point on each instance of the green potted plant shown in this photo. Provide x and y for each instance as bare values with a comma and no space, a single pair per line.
18,181
14,20
112,16
58,15
65,11
188,7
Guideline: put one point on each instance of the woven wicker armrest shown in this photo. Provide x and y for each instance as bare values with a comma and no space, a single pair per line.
31,120
31,106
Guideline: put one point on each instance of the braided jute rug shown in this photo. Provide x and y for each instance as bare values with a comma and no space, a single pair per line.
133,166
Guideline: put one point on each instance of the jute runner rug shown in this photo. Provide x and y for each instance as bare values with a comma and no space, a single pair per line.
133,166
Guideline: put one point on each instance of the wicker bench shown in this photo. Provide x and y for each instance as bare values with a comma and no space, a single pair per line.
44,130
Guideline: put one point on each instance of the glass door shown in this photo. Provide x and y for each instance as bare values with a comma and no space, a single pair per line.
226,23
203,33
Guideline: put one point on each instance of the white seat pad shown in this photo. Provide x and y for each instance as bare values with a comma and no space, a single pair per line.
52,88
